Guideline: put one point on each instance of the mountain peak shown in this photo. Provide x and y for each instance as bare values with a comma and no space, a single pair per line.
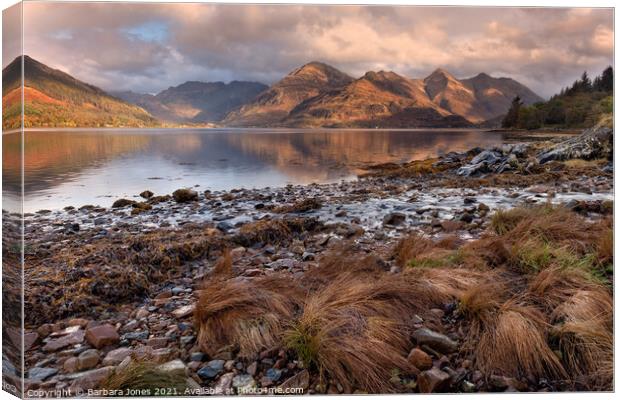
440,73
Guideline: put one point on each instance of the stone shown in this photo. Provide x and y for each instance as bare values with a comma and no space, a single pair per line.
161,355
273,374
81,322
147,194
71,365
184,195
223,384
141,335
497,383
184,311
102,335
64,341
116,356
83,381
88,359
30,339
157,342
142,313
467,218
592,143
433,380
252,368
243,383
212,369
395,218
44,330
120,203
299,380
434,340
451,226
174,367
420,359
41,374
283,263
197,356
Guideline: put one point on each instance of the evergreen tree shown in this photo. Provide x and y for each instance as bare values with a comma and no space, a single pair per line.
607,80
512,118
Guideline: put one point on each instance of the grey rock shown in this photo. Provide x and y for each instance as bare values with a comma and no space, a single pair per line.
395,218
273,374
590,144
41,374
212,369
300,380
243,383
435,340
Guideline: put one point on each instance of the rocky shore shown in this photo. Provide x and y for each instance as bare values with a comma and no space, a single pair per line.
119,297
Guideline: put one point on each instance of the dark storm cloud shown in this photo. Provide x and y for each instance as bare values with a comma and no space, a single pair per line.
148,47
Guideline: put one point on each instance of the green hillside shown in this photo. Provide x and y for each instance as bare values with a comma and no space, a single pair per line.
579,106
53,98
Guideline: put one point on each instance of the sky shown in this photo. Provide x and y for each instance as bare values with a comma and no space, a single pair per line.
149,47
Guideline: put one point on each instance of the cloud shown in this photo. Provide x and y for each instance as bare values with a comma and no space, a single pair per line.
148,47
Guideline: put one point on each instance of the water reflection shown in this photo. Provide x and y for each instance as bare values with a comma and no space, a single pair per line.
96,166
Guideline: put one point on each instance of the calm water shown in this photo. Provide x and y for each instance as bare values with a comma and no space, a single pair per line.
74,167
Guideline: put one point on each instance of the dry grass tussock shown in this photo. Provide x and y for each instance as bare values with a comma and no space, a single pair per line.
144,375
514,342
527,293
345,258
355,330
418,250
584,326
247,314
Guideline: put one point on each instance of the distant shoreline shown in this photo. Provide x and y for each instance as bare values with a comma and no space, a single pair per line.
570,131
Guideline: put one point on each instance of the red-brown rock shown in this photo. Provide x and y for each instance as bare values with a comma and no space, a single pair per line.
102,335
433,380
420,359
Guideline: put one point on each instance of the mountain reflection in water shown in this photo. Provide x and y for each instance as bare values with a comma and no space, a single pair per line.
73,167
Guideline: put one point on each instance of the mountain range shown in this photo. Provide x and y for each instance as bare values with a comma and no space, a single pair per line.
313,95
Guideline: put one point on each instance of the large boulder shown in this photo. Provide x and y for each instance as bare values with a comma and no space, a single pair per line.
591,144
184,195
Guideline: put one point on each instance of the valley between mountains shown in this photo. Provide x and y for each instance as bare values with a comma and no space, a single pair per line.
314,95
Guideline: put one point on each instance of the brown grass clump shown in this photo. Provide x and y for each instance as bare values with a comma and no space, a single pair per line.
556,225
144,375
513,342
438,286
301,206
418,250
353,330
265,231
605,246
504,221
345,258
584,326
247,314
223,266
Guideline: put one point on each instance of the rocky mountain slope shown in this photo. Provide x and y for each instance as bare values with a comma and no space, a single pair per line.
273,105
53,98
307,97
196,101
